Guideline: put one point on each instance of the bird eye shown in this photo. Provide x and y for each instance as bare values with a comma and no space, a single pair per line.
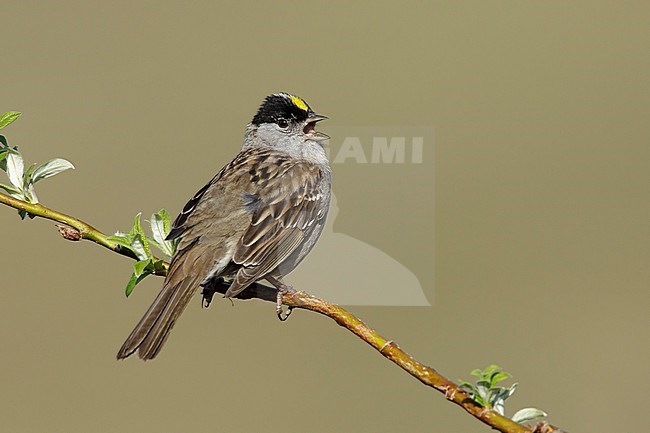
283,123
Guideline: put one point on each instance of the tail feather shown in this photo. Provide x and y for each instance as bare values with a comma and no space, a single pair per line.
152,330
157,335
139,333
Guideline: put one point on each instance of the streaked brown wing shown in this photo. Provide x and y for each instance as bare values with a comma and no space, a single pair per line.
286,208
231,175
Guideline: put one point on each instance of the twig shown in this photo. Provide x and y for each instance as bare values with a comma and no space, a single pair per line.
386,348
85,230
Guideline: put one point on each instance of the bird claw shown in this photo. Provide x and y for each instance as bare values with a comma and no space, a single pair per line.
282,290
207,294
282,315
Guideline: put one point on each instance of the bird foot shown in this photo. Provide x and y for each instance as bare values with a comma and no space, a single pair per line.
283,315
282,290
207,294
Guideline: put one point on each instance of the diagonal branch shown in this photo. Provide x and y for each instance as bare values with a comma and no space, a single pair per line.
76,229
81,230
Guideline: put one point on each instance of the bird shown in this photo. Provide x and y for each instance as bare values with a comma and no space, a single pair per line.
256,219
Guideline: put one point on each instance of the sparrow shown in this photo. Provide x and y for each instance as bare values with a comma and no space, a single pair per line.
257,218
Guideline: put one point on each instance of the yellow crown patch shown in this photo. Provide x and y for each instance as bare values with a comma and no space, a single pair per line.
299,103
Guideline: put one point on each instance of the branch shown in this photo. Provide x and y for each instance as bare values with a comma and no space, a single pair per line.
388,348
76,229
81,230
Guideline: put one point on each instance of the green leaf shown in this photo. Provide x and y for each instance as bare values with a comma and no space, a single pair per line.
498,376
468,387
13,191
8,117
465,383
528,414
498,398
29,173
139,243
131,285
3,140
50,168
123,239
167,220
160,228
153,242
28,184
15,168
4,151
491,369
135,240
485,391
138,247
498,407
30,194
158,265
137,225
480,400
3,161
140,267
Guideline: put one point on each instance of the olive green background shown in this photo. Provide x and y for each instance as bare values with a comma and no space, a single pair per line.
540,227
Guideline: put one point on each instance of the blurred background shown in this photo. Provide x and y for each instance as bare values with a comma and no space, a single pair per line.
526,223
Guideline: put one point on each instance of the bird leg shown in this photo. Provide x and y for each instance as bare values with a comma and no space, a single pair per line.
207,293
282,289
210,287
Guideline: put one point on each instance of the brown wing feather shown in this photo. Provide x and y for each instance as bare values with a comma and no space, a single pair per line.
233,173
286,211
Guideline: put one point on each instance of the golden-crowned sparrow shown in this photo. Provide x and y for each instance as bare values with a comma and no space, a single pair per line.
256,219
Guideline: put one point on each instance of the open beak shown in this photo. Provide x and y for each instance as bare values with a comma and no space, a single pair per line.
310,127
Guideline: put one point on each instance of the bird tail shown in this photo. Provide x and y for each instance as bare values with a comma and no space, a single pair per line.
151,332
